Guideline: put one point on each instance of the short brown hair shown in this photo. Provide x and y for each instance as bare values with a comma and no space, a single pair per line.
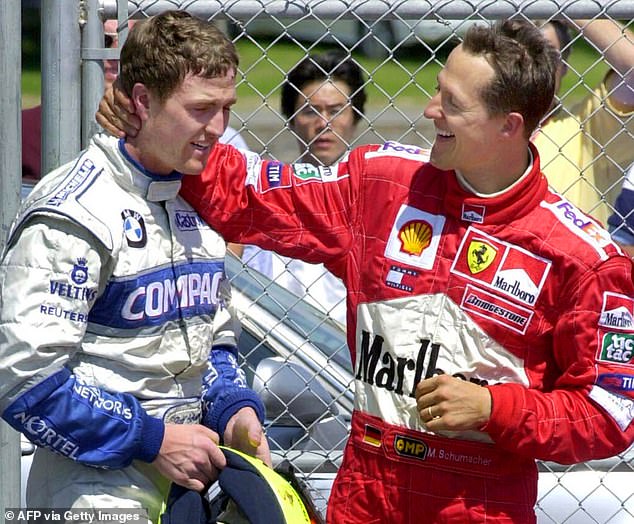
162,50
524,63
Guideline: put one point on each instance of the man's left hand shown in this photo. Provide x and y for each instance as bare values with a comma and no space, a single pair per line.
448,403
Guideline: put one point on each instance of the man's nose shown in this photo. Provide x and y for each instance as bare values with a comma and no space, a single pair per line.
433,108
217,124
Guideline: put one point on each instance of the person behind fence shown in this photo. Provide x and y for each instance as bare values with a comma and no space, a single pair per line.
487,315
323,99
117,339
621,222
586,148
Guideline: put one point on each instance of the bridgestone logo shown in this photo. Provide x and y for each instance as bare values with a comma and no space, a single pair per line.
472,300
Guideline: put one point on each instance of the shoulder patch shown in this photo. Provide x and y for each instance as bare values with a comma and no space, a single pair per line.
62,198
396,149
583,226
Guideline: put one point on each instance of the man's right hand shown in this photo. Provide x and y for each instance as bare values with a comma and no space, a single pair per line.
190,455
116,113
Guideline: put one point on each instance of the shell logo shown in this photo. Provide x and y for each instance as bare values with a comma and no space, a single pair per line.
415,236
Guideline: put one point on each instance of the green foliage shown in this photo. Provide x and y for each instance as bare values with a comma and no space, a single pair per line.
407,79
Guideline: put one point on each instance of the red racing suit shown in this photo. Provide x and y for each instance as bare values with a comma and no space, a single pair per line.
518,292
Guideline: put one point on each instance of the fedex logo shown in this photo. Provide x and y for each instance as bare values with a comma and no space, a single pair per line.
391,148
617,312
506,268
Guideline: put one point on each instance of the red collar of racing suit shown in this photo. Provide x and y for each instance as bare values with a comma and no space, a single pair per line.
500,209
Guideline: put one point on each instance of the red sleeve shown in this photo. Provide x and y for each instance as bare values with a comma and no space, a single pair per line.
588,414
298,210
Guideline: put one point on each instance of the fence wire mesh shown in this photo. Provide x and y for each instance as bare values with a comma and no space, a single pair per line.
400,47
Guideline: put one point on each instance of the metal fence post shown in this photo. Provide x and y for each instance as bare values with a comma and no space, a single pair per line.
61,82
10,167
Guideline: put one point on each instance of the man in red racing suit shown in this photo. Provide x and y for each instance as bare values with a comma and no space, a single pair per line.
521,293
490,322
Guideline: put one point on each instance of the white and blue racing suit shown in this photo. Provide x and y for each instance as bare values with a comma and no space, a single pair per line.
114,320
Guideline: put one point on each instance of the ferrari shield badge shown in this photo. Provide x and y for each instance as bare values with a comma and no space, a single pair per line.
480,255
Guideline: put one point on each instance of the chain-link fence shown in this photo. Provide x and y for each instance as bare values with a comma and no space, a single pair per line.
287,309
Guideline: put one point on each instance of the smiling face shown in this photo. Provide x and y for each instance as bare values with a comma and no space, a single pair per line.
324,121
180,132
467,136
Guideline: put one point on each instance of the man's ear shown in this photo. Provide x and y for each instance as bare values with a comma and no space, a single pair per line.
141,99
513,125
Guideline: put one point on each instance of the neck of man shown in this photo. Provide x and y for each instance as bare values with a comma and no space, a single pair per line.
499,175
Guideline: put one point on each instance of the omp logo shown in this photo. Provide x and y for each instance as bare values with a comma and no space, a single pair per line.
504,267
189,221
410,447
617,312
617,348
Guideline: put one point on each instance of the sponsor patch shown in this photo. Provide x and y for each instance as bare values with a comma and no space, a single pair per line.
397,149
617,348
401,278
410,447
304,173
616,382
188,220
620,408
414,237
496,309
617,312
79,274
473,213
274,176
580,224
504,267
134,228
75,179
372,436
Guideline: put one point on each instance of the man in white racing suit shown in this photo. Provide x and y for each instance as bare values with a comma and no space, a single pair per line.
118,346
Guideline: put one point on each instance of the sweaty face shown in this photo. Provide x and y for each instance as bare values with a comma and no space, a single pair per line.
324,121
179,133
467,137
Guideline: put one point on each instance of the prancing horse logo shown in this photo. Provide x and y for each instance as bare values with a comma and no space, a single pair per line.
480,256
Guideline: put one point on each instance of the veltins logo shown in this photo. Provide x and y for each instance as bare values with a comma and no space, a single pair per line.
617,348
410,447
